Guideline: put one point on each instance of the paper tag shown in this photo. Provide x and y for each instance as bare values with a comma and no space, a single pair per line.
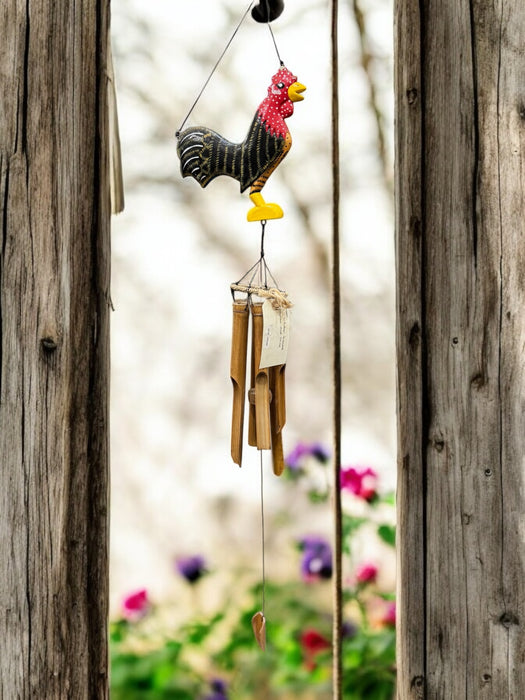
276,333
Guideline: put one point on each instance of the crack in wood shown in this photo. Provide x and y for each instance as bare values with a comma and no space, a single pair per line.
476,154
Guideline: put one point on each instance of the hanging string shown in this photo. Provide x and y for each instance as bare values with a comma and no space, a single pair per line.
214,69
272,34
275,45
263,227
336,330
279,298
262,537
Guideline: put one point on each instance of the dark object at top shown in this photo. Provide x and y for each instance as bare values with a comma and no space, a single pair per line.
260,11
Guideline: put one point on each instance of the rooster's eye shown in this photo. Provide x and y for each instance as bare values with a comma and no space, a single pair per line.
280,85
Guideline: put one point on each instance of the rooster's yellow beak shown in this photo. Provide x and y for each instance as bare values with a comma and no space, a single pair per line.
294,92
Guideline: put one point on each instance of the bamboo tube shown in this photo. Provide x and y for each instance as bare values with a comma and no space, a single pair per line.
238,375
277,386
261,383
252,431
277,416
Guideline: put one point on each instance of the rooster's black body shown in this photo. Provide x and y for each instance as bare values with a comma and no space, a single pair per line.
205,154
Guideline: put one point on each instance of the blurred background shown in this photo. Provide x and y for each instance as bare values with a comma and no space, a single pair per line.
177,248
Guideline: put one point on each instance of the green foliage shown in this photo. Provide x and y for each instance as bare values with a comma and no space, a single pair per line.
179,663
369,665
387,533
159,674
351,525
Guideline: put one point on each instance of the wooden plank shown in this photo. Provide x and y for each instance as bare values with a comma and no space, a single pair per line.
54,308
471,415
409,280
509,636
448,233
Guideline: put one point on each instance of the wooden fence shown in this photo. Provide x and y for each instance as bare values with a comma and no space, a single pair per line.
460,227
54,308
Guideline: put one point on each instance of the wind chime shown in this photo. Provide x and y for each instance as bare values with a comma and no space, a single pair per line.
204,155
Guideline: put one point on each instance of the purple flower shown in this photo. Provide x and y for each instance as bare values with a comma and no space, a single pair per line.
316,563
295,458
303,450
219,690
191,568
349,630
320,452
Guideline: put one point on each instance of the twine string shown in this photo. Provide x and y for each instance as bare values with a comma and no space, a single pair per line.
263,544
278,298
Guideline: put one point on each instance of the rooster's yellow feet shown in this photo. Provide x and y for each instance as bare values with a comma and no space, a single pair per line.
262,210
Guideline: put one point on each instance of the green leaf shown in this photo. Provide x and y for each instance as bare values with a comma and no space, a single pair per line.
389,498
387,533
197,632
118,630
351,524
315,496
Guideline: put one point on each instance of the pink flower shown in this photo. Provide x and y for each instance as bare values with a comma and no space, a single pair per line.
135,605
361,482
389,616
366,573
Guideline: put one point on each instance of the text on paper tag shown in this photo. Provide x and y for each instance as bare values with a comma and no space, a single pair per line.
276,333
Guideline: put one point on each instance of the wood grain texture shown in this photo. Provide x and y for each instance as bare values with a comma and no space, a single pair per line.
461,392
54,312
238,361
411,552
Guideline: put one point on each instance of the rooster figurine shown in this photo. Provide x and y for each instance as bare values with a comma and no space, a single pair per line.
204,154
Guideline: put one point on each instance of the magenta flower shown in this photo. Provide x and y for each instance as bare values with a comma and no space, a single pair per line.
316,563
366,573
361,482
191,568
389,617
135,605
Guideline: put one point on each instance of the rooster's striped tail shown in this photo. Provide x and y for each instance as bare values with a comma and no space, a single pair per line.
204,154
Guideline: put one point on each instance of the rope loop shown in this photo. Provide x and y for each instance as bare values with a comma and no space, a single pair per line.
277,297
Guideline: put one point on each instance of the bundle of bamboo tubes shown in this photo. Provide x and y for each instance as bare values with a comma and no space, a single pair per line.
266,394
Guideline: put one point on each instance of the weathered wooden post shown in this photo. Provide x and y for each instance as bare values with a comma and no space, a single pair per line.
54,303
460,150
